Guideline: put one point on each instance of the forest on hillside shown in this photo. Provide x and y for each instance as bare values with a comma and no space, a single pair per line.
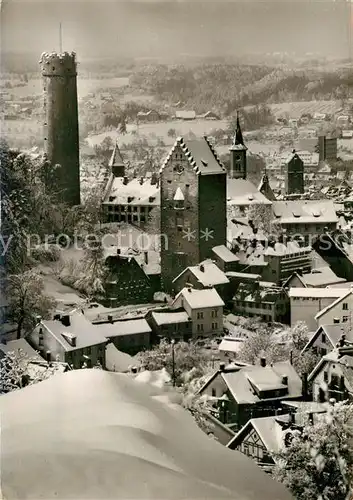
226,87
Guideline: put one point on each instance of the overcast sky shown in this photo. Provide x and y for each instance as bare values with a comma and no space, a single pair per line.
172,27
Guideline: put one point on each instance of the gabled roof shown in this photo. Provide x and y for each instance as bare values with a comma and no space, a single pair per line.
123,327
243,192
168,318
133,192
207,273
86,334
200,299
346,362
269,430
337,301
239,383
304,211
225,254
21,345
332,332
318,277
201,155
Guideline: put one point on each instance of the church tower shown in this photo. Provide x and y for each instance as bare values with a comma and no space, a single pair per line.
61,139
294,176
238,154
193,207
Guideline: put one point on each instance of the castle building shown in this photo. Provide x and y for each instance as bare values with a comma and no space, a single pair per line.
61,139
238,155
193,206
294,175
128,200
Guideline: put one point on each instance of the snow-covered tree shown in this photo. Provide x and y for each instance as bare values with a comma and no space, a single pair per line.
17,370
91,281
27,299
189,361
317,463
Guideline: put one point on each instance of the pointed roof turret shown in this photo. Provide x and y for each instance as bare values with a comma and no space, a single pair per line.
116,162
265,188
116,159
179,196
238,141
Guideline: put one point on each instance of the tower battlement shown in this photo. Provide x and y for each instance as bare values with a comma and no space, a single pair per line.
55,64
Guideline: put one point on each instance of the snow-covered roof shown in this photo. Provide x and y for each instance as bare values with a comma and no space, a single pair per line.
200,299
94,434
207,273
243,192
167,318
225,254
133,192
319,293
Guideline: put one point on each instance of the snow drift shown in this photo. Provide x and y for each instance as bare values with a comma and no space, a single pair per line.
90,434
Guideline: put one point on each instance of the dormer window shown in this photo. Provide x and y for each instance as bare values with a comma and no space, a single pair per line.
179,199
151,199
129,199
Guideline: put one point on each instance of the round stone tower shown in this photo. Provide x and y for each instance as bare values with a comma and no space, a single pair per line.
61,139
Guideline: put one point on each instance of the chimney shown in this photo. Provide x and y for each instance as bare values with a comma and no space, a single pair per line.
110,318
57,317
118,251
311,418
305,388
202,268
222,367
284,380
48,356
291,357
65,320
141,181
145,257
292,418
263,362
125,181
133,369
38,319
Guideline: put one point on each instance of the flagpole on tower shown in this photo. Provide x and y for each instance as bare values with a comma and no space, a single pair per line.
60,38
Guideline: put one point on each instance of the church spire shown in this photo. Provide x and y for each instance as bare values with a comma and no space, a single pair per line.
238,136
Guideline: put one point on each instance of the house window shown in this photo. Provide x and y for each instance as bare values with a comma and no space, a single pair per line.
334,380
200,327
214,393
323,352
200,315
345,306
214,314
325,376
214,326
323,338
